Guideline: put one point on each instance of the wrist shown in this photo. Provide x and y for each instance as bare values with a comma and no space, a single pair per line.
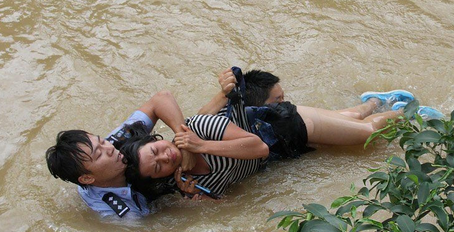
209,147
203,147
222,95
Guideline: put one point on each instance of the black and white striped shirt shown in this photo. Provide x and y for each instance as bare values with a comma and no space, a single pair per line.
238,116
223,171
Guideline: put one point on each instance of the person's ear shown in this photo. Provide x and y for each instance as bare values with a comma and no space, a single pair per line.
86,179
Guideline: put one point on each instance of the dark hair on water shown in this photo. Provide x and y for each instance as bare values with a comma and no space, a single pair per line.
151,188
258,87
65,159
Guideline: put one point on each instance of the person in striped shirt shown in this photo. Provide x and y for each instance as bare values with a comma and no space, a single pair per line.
225,156
225,153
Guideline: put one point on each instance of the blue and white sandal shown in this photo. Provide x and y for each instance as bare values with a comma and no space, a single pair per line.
389,97
425,112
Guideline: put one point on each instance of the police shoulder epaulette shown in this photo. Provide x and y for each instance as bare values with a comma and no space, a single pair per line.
119,137
115,202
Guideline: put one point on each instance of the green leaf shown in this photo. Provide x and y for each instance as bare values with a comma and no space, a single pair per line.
405,223
441,215
408,137
367,227
375,135
436,177
348,207
423,193
436,185
403,141
370,210
452,116
402,209
414,164
371,222
282,222
414,178
373,169
317,210
419,120
284,214
451,197
421,176
309,216
437,125
426,227
336,222
411,109
389,135
449,175
384,191
294,227
401,132
433,204
341,201
378,176
450,159
364,191
427,168
398,162
407,183
387,205
396,195
286,221
318,226
428,137
353,211
439,160
417,152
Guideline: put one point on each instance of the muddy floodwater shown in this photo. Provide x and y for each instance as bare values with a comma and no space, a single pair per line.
88,64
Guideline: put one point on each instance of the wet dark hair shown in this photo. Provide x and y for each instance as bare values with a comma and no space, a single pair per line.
258,87
151,188
65,159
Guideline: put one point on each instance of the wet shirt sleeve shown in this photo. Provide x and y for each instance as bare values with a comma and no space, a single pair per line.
208,127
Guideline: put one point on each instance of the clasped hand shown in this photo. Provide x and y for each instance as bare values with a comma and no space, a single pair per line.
227,80
188,140
188,186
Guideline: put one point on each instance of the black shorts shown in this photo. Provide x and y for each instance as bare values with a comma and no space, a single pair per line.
288,127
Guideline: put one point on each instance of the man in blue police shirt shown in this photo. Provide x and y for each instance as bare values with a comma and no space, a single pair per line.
96,165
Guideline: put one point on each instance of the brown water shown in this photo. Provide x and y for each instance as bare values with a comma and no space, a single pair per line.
89,64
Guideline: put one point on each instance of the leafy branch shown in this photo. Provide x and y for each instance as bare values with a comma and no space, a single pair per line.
405,191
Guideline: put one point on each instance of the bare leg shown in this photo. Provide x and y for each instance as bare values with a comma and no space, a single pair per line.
334,128
361,111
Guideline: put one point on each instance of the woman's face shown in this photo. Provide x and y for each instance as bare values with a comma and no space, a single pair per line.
159,159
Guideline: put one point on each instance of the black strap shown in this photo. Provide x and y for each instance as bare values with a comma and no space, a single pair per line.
235,96
115,202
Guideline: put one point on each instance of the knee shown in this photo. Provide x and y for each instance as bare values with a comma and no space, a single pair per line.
164,93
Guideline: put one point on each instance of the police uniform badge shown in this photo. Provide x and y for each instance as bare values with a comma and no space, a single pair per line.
119,138
115,202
